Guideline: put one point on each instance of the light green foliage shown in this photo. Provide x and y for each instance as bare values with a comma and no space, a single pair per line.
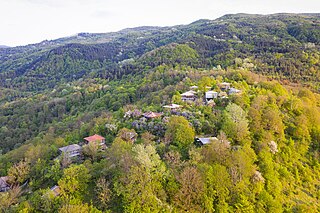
103,192
92,150
74,182
44,200
190,194
206,82
141,187
235,123
218,184
54,172
19,172
148,158
179,132
120,156
9,198
76,206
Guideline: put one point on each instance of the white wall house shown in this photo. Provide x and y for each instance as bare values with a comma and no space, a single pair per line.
210,95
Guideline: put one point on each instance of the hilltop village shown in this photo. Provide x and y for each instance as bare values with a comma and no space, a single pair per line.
79,151
216,135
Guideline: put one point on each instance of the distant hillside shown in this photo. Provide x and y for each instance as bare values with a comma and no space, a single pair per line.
283,46
4,46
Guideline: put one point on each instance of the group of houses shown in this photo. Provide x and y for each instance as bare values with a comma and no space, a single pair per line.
225,90
74,150
137,113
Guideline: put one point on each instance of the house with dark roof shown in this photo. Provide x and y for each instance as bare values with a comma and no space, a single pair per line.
205,140
188,96
72,150
4,186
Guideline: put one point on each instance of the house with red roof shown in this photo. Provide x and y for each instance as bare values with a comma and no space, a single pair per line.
96,138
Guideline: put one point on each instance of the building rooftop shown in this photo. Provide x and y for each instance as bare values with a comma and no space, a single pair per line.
207,140
152,114
225,83
94,138
189,93
172,106
70,148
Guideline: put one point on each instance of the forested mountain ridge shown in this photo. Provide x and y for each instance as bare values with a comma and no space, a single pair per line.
284,46
262,129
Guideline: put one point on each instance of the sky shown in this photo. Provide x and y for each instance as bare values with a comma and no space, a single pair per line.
32,21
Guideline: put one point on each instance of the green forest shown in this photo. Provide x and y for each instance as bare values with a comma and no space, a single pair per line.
263,152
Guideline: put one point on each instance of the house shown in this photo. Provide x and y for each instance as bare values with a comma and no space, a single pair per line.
205,140
72,150
188,96
4,186
224,86
151,115
172,106
210,95
233,91
95,138
56,190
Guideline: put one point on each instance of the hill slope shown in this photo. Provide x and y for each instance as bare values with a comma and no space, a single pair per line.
263,132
